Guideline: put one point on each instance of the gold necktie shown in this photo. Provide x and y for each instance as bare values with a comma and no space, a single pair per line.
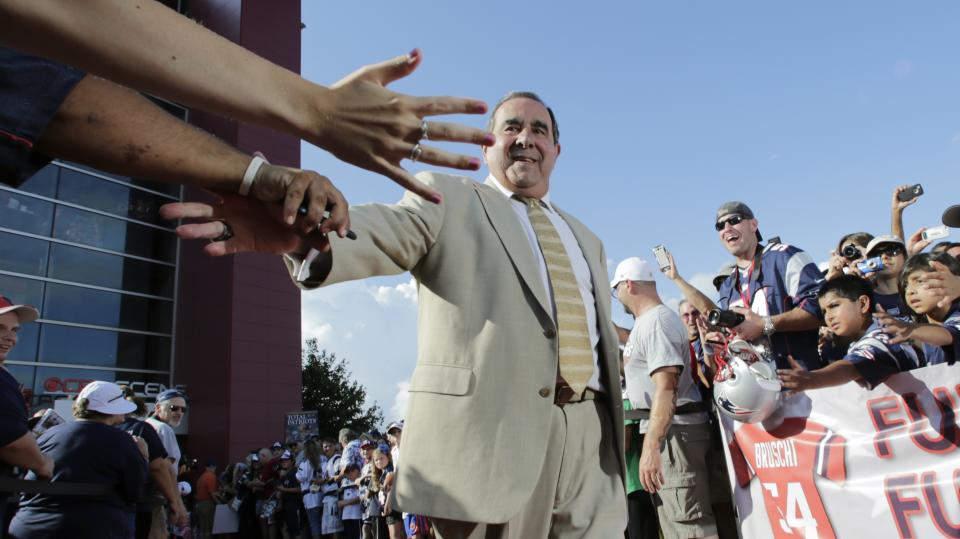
576,355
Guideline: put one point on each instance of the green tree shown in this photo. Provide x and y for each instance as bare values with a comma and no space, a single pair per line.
339,401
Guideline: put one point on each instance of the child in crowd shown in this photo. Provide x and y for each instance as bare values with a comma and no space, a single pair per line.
847,303
352,512
937,323
382,460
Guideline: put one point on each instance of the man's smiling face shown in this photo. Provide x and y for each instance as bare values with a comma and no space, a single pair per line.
525,151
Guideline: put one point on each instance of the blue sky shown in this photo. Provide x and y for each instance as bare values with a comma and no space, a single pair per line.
810,112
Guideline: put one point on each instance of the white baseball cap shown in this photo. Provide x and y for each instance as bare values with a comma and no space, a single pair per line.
632,269
106,398
27,313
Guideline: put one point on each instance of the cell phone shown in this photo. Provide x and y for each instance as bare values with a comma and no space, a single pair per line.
910,193
936,232
660,252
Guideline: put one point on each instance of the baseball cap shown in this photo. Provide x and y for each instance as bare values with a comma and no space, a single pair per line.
632,269
27,313
367,443
735,207
254,457
886,238
168,394
725,270
276,445
951,216
395,425
287,455
185,488
106,398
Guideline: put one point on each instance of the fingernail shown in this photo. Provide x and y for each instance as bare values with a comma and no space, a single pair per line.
489,139
289,220
413,55
479,106
436,199
474,163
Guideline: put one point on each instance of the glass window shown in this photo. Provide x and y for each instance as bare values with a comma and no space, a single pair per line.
26,349
25,213
112,271
44,182
23,255
96,193
84,306
21,290
82,346
87,228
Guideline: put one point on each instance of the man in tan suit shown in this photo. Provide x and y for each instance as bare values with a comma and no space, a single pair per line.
514,420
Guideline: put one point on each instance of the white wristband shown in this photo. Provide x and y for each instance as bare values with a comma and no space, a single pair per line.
250,174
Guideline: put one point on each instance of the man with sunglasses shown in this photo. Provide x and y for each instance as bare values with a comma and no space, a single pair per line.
773,286
168,411
886,292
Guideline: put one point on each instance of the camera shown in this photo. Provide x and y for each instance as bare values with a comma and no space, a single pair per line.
870,265
935,233
850,252
724,318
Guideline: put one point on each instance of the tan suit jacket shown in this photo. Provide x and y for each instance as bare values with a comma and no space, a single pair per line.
482,391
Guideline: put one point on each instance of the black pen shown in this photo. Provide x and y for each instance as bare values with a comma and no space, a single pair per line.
302,210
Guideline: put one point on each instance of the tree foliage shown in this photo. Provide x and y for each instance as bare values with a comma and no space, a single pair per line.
328,388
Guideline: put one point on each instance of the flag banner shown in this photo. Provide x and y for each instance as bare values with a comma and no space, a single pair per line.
848,462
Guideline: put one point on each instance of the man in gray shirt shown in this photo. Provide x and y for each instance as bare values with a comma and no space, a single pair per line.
673,424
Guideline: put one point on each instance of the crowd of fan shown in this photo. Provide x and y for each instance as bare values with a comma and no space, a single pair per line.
318,488
879,306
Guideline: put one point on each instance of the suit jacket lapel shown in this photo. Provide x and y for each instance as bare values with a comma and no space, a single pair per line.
514,240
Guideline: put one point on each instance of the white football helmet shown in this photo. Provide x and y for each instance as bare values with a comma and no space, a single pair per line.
748,389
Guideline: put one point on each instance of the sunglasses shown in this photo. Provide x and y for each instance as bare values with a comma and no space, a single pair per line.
175,408
891,250
733,220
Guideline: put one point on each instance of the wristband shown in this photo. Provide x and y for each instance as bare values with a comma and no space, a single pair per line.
250,174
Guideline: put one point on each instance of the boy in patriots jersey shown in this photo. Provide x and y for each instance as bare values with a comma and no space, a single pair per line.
940,335
784,461
847,303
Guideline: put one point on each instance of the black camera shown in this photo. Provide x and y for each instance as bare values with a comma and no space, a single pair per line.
724,319
850,252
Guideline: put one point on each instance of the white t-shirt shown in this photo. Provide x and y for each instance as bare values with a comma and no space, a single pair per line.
659,339
169,439
350,491
305,473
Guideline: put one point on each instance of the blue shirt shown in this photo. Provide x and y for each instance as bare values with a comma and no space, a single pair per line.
787,278
946,354
85,452
891,303
31,92
876,359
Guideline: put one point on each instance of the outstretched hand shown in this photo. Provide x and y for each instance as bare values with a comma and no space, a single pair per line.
367,125
796,378
255,227
898,330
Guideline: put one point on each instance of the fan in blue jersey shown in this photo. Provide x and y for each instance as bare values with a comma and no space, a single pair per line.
848,305
937,325
775,287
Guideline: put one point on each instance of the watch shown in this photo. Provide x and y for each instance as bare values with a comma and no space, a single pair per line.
768,327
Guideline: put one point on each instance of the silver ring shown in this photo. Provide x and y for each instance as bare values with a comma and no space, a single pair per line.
225,235
415,152
424,130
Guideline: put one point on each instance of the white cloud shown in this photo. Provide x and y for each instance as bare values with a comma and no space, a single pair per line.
372,324
313,330
399,408
387,295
